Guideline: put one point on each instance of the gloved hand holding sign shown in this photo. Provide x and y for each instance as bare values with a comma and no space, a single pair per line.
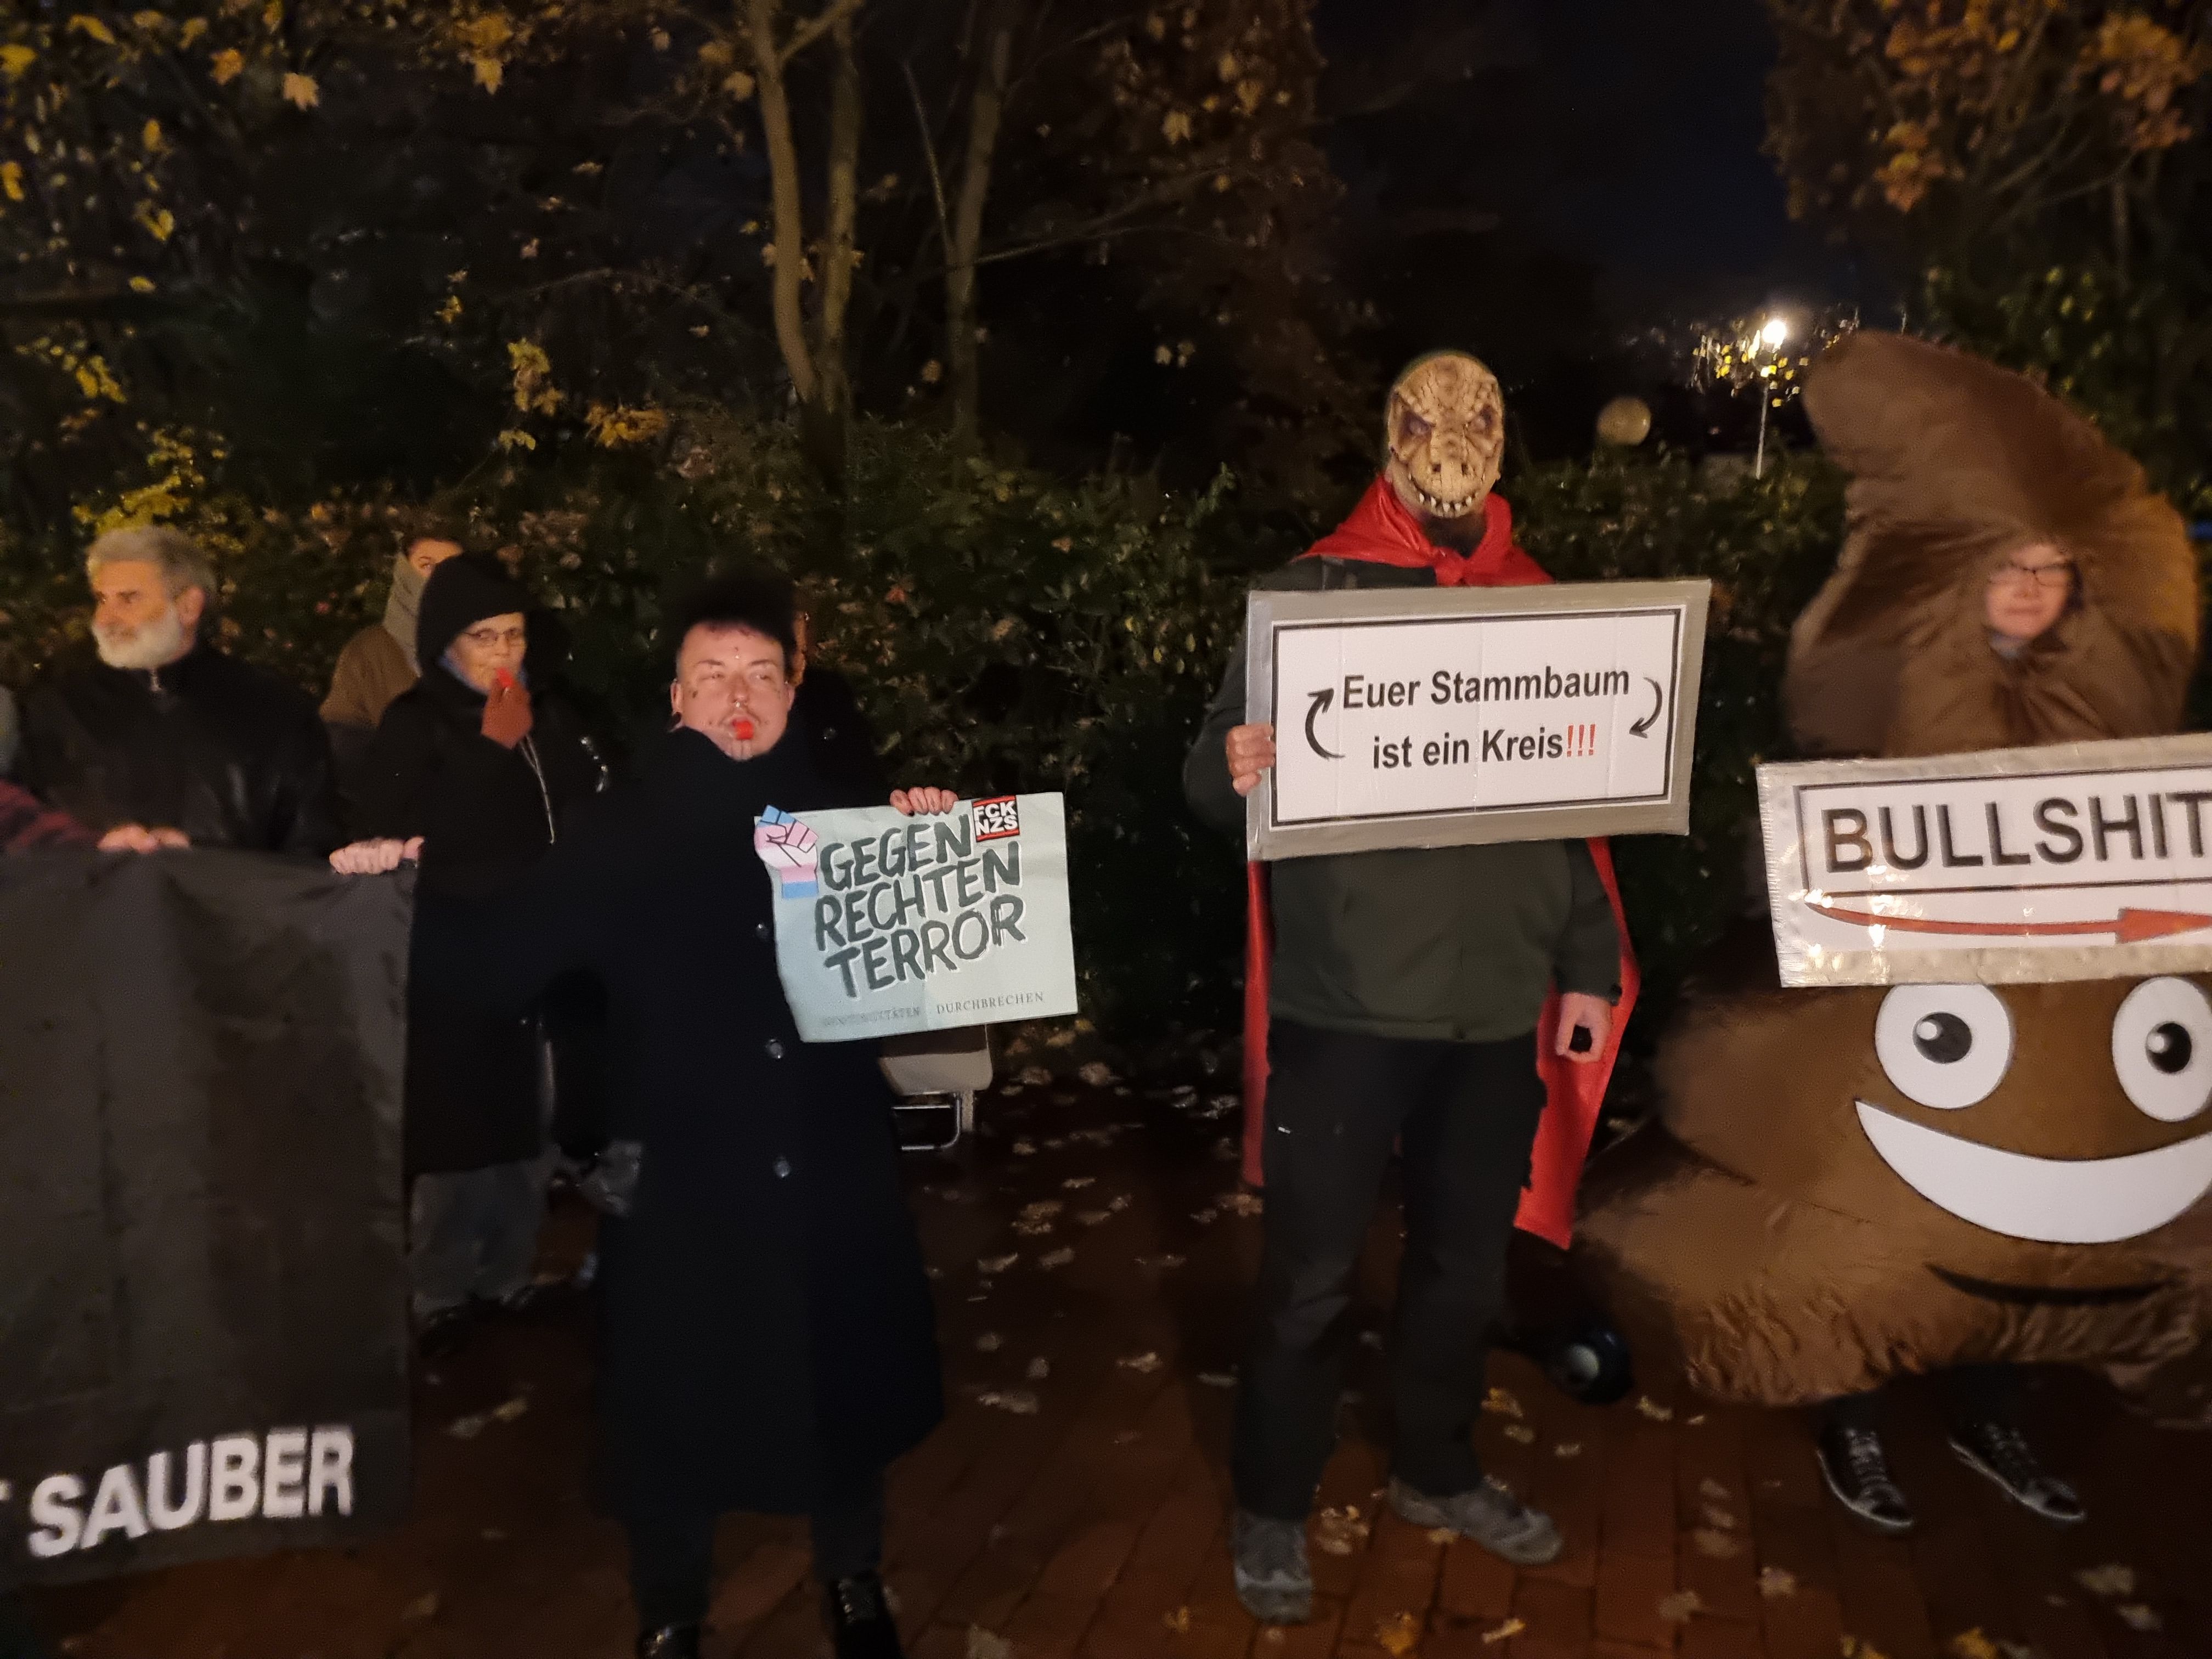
787,848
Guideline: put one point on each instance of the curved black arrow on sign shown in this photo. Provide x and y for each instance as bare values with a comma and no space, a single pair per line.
1643,727
1322,700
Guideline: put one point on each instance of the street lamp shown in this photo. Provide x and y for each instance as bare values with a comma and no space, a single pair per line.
1773,336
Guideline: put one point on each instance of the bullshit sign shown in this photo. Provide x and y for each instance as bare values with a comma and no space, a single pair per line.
2073,862
1442,717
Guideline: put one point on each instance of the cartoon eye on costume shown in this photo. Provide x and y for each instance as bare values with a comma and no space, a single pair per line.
1945,1046
2162,1049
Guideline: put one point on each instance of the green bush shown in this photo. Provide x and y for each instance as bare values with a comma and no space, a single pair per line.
1007,630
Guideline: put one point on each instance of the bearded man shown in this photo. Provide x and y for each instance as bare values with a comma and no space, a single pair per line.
161,737
1406,993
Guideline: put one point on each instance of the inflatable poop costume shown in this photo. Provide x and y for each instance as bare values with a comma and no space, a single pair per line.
1843,1185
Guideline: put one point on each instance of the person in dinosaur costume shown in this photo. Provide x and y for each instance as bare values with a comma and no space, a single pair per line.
1846,1186
1423,995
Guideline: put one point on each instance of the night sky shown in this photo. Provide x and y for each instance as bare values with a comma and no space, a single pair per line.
1616,140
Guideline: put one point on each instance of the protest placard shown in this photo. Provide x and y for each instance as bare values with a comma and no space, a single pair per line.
1440,717
2089,861
885,923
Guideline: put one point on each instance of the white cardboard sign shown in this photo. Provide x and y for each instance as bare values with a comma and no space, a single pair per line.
2088,860
1437,717
885,923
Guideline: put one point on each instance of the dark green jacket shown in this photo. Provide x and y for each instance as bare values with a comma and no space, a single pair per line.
1460,943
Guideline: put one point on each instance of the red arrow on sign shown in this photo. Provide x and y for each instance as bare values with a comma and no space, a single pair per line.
2128,927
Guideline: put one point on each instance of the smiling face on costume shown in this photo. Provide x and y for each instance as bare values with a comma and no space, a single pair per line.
2022,1143
1447,437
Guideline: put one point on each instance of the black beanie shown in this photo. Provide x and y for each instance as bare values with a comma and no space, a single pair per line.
460,593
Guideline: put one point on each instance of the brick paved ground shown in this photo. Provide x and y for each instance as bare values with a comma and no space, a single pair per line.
1072,1505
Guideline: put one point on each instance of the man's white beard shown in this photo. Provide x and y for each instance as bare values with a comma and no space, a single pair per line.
150,645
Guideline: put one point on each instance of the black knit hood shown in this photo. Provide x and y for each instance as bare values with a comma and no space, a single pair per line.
460,593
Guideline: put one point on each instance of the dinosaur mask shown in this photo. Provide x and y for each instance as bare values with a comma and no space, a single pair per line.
1447,435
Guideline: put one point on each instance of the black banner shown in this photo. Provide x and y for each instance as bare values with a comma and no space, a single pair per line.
203,1305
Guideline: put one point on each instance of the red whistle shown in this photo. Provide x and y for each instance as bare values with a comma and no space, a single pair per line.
742,729
505,677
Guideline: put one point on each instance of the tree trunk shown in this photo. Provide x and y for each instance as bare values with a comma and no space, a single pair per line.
786,203
833,414
986,109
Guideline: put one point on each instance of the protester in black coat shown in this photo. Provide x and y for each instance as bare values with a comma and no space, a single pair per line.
481,766
768,1336
155,728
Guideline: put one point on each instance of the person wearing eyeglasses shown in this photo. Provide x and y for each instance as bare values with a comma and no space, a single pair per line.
473,769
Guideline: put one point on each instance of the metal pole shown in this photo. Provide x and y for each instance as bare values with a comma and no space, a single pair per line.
1759,466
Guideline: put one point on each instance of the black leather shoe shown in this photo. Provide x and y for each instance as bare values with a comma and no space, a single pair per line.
861,1622
672,1642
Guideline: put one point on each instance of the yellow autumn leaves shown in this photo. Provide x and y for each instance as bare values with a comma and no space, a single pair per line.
1964,72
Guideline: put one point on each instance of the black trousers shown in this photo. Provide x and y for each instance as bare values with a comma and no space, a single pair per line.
1973,1394
672,1560
1337,1103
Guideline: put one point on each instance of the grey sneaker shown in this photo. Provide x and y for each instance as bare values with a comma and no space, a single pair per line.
1273,1580
1489,1514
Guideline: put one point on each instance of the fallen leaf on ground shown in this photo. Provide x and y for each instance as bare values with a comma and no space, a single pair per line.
1500,1403
1089,1217
1521,1434
1019,1401
1506,1631
1025,1149
1776,1583
995,1264
1652,1409
1972,1644
1712,1489
1160,1263
1118,1203
1040,1368
1567,1449
1677,1608
1855,1649
1035,1077
468,1428
422,1607
2113,1580
1077,1183
1399,1634
1370,1338
1712,1542
1696,1422
2136,1616
1043,1210
1717,1517
1244,1204
1178,1621
513,1409
1218,1379
1032,1229
495,1535
1340,1532
1098,1075
981,1644
989,1342
1204,1217
1145,1363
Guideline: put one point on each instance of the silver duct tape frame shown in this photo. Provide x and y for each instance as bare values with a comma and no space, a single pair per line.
1790,796
1665,813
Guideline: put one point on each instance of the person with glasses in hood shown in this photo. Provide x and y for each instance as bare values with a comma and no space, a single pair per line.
473,770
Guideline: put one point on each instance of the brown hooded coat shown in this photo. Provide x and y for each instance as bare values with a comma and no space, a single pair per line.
1756,1222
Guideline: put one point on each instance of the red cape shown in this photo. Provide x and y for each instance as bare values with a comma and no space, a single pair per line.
1382,532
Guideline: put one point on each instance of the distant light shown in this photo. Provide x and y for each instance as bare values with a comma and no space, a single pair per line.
1776,333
